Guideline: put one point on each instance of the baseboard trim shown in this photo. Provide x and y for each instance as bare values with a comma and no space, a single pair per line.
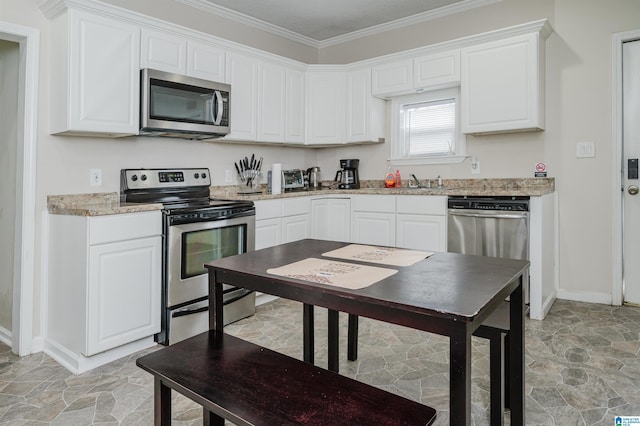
6,336
586,296
79,364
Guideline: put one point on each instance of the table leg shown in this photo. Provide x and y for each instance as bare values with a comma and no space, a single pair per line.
210,419
497,377
516,356
332,341
460,381
307,333
352,338
161,403
216,320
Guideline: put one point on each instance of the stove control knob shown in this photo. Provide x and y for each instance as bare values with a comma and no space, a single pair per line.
143,177
196,175
204,176
134,178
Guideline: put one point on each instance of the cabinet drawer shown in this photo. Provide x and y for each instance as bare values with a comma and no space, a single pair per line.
122,227
374,203
296,206
422,204
268,209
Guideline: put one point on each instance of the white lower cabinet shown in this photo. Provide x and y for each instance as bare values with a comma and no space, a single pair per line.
421,222
104,283
331,219
374,219
282,221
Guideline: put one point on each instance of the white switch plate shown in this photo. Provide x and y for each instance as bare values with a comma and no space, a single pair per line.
585,150
228,176
95,177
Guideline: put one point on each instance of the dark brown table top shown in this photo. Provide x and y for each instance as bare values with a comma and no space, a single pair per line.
447,286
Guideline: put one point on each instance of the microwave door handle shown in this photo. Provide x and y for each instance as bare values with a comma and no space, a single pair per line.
217,98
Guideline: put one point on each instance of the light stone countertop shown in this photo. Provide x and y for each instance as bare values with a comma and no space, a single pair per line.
108,203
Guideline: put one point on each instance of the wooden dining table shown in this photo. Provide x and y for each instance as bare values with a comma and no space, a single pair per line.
445,293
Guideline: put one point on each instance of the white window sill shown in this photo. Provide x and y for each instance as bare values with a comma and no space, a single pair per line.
454,159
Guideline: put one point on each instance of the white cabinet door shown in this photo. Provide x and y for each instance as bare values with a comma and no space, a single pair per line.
438,69
163,51
364,113
97,89
205,61
392,78
123,299
422,232
271,102
331,219
242,75
268,233
325,107
295,228
374,228
502,85
295,107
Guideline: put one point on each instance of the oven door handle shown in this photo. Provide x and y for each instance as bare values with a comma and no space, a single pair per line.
185,312
241,295
497,215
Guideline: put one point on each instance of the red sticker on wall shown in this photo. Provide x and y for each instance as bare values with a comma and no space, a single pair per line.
541,170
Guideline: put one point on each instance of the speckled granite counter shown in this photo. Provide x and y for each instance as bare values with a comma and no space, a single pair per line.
98,204
106,203
478,187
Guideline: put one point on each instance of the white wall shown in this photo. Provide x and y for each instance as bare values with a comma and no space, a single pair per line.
8,153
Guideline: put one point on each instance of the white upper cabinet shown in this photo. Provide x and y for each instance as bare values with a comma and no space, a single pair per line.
174,53
295,107
364,113
163,51
205,61
502,87
396,77
341,109
325,107
271,99
95,79
436,70
242,75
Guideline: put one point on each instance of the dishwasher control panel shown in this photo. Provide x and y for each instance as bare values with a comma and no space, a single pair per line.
519,203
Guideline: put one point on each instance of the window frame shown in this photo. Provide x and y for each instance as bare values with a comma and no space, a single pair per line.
398,147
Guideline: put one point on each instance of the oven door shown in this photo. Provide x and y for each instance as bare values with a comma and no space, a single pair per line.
191,245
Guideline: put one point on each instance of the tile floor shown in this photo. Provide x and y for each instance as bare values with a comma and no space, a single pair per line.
583,368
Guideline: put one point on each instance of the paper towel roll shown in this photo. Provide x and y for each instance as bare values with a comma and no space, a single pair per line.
276,178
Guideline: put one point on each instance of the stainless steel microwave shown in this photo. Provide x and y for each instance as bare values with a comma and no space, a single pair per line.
174,105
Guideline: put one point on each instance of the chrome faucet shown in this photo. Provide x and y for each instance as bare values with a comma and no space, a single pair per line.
418,184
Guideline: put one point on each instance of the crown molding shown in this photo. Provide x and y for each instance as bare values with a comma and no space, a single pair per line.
250,21
319,44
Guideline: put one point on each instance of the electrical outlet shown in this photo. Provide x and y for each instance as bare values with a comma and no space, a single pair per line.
95,177
228,176
475,166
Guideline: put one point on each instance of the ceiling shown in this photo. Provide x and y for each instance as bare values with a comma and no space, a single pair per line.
318,22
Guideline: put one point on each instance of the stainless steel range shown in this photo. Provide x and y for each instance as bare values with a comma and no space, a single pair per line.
196,230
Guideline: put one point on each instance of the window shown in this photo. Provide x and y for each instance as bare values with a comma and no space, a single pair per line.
426,128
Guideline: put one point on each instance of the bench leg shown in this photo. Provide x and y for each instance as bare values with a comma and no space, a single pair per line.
352,338
161,403
210,419
307,333
332,341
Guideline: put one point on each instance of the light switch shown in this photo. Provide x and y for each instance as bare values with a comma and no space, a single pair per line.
585,149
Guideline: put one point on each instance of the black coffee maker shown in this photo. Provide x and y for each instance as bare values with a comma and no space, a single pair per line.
348,174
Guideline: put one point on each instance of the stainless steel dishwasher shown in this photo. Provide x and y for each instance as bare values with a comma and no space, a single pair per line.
490,226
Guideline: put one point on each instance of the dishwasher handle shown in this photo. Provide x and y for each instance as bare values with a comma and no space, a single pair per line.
498,215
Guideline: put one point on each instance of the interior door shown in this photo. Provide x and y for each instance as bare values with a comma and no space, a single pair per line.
631,155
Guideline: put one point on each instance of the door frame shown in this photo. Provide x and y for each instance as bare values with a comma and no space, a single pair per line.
28,40
617,290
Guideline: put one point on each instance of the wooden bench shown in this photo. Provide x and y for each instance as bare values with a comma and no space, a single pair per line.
250,385
495,329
